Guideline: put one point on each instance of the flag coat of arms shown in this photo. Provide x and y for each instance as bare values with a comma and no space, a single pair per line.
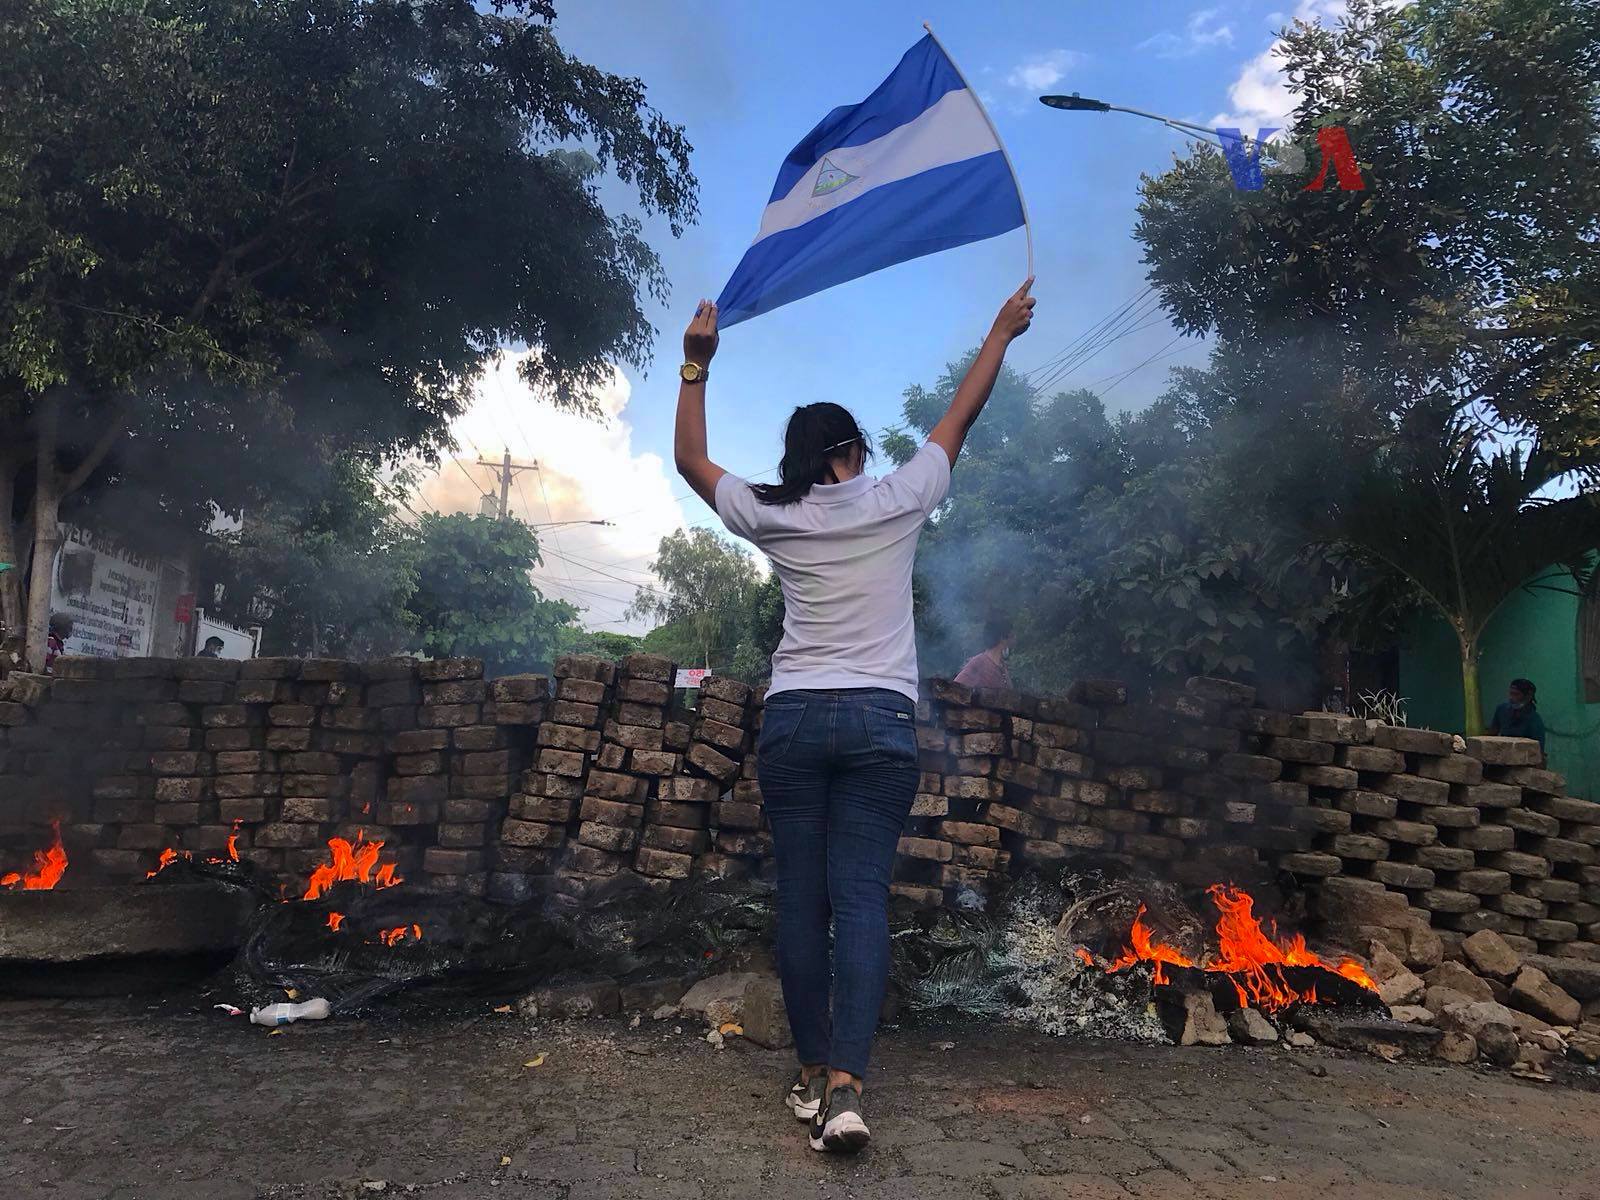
913,169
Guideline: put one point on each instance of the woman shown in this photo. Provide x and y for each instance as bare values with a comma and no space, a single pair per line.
1518,715
838,746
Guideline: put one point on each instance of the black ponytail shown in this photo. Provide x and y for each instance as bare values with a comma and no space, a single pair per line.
816,434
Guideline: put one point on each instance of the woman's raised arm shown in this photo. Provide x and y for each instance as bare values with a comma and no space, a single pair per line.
1013,321
689,435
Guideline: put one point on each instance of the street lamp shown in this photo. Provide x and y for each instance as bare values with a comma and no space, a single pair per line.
1077,103
555,524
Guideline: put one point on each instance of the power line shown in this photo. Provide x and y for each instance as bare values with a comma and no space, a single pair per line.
1087,334
482,494
591,564
1118,377
551,514
643,587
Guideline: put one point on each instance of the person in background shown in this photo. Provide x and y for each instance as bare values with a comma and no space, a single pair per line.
988,669
213,648
1518,715
838,746
56,643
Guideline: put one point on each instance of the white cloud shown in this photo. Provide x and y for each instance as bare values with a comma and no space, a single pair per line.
1043,70
1201,32
1260,95
589,470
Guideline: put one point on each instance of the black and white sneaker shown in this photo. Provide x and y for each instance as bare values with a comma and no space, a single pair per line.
838,1127
805,1098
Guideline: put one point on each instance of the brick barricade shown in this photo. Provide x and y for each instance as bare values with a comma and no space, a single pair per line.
520,786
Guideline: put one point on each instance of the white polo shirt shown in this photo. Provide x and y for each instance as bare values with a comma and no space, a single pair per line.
843,554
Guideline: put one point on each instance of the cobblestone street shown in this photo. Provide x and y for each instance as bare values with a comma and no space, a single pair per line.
131,1098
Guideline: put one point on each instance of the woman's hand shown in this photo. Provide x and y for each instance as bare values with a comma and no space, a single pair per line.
1016,314
700,339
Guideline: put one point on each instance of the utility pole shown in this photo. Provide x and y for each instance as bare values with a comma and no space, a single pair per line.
506,470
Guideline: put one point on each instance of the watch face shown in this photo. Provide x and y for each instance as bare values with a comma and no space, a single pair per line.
691,372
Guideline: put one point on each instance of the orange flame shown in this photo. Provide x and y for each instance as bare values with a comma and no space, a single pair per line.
1250,957
1088,959
388,937
351,860
1145,948
170,856
48,867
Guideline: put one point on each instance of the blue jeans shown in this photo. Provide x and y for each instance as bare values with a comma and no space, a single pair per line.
838,773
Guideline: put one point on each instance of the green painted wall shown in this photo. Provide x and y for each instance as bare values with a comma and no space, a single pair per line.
1535,634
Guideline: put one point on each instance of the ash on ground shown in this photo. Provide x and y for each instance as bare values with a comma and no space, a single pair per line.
1022,961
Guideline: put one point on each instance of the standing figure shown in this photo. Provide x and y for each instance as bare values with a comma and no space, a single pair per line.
987,669
1518,714
838,746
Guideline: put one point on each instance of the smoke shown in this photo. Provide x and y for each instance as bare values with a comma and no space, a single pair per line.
1146,547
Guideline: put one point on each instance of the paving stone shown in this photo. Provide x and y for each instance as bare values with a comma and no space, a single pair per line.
1490,955
1058,1187
970,1160
1414,790
1458,768
1461,979
1413,741
1533,992
1505,751
1403,875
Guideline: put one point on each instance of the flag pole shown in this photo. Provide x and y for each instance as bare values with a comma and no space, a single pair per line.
1027,225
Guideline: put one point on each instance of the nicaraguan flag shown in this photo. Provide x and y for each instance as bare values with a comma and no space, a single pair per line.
913,169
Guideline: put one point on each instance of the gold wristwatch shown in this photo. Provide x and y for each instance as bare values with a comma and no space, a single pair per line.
692,372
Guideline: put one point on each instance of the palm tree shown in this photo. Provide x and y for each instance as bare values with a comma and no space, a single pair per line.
1458,521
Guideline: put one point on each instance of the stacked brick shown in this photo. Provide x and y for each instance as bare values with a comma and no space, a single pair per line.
621,790
538,842
1011,779
513,787
488,728
721,755
298,758
1476,839
1535,851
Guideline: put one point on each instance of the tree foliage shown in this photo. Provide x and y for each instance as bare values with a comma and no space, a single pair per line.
708,595
1464,273
345,576
1460,525
475,598
1116,546
231,231
328,577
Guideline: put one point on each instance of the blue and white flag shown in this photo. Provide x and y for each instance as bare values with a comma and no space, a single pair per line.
913,169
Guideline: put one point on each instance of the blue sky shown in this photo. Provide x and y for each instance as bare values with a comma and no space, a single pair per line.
748,83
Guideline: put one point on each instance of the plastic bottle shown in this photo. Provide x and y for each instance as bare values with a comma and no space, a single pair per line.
287,1014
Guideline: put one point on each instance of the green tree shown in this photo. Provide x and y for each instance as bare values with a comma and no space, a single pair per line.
708,586
1461,279
231,230
1116,546
1464,524
475,596
602,643
1464,273
328,577
761,632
